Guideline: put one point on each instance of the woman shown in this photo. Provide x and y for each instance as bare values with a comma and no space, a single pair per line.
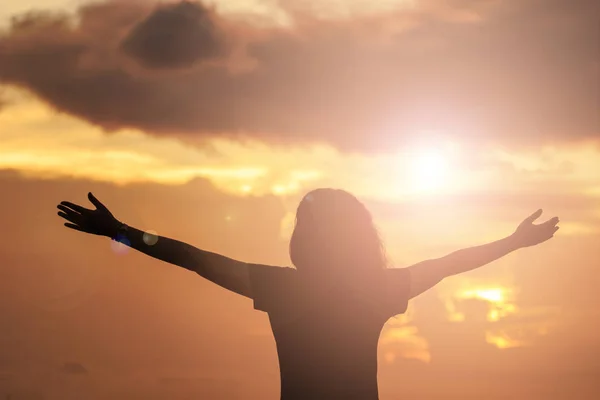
327,313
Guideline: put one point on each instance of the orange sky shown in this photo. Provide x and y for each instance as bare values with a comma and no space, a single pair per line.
449,129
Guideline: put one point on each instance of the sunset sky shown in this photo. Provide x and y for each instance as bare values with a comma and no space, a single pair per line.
207,122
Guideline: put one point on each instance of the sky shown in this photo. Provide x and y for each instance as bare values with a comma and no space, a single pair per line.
207,122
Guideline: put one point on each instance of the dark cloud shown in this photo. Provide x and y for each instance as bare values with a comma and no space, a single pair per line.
176,35
526,70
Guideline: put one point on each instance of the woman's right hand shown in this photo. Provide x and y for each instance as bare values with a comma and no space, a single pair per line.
98,222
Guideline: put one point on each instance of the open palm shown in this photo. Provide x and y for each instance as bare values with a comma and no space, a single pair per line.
98,222
530,234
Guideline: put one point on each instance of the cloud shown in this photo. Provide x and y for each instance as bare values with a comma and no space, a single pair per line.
525,71
175,35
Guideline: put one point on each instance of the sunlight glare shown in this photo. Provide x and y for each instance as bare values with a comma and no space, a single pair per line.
502,341
500,301
429,170
493,295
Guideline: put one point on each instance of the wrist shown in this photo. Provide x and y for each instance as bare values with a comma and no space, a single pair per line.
115,229
514,242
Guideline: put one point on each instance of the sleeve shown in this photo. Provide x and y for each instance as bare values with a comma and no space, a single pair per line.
270,285
397,291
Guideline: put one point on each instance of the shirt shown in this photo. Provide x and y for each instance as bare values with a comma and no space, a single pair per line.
327,333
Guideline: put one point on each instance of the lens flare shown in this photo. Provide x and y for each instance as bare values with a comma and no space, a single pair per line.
120,246
150,237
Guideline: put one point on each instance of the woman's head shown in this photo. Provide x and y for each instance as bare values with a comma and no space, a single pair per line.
334,232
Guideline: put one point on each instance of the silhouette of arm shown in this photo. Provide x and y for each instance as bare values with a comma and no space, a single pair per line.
427,274
223,271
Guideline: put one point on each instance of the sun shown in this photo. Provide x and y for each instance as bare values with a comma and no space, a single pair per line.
429,170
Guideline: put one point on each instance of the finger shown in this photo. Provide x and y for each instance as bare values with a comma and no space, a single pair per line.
534,216
76,227
96,202
551,222
70,217
67,209
69,213
75,207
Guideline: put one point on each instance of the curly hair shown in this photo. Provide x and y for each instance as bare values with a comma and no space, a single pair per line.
335,233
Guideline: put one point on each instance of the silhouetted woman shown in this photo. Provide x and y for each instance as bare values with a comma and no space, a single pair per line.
327,313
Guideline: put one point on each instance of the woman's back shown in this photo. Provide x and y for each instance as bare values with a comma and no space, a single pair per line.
327,332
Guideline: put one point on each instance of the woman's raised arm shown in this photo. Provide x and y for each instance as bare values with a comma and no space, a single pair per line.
225,272
427,274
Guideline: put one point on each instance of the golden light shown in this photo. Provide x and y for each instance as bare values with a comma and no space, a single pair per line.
493,295
413,346
500,300
501,341
246,188
429,169
501,304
